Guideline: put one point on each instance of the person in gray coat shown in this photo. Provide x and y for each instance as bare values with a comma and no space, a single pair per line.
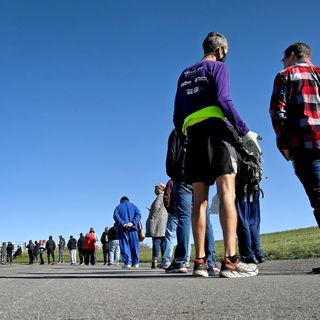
157,223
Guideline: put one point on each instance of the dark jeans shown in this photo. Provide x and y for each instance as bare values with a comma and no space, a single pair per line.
307,169
50,254
106,253
90,256
157,244
248,229
31,256
82,253
9,257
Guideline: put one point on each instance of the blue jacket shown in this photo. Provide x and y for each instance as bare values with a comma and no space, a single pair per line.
127,212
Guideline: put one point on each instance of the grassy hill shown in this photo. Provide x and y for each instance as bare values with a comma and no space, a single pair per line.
293,244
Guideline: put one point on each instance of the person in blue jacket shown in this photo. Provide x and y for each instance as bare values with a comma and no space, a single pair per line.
127,217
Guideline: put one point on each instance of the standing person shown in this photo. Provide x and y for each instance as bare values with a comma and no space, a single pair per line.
127,217
81,248
3,253
72,247
50,248
42,250
170,235
114,246
90,247
30,247
36,250
105,245
61,245
10,248
295,115
204,111
156,224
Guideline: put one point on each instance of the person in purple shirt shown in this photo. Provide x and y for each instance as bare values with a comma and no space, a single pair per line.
204,112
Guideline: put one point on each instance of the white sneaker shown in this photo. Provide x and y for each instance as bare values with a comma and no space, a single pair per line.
136,266
238,269
126,266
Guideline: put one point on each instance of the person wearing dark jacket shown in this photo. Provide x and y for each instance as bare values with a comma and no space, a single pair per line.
114,246
81,248
50,247
9,252
36,250
30,248
17,253
105,245
72,247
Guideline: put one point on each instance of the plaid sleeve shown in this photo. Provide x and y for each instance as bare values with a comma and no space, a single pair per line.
278,110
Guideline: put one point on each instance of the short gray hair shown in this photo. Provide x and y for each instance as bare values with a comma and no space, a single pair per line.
213,42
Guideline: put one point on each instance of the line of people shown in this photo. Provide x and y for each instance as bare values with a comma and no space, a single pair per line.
85,245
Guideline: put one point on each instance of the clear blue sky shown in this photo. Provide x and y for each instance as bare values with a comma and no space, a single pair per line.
86,98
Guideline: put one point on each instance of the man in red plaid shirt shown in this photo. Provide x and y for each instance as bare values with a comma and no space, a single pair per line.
295,114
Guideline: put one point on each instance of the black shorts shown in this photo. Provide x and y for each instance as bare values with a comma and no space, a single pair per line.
210,151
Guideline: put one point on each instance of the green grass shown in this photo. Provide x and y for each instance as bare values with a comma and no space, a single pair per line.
285,245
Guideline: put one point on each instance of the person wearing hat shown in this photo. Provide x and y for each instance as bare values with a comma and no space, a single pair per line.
157,223
81,248
72,247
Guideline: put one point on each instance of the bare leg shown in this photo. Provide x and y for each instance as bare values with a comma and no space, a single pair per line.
200,202
228,212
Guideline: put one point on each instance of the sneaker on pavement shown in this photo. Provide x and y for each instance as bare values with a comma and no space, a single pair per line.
200,268
237,269
213,270
136,266
126,266
163,265
177,267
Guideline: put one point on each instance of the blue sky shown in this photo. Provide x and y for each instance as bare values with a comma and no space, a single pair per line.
86,100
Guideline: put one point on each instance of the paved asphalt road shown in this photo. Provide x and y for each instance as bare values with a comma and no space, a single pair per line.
283,290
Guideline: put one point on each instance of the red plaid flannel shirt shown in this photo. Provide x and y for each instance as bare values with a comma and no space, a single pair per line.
295,107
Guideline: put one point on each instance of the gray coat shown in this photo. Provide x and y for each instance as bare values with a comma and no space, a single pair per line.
156,224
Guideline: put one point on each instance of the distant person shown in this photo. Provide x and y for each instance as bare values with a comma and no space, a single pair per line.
81,248
156,224
295,115
42,250
203,112
72,247
172,223
50,248
17,253
114,245
105,245
30,247
4,253
90,247
36,250
127,217
61,245
10,248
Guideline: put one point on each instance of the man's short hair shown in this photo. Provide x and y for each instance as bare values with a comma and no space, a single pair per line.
124,198
213,42
299,49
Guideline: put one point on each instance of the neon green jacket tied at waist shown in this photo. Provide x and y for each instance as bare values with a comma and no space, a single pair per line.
201,115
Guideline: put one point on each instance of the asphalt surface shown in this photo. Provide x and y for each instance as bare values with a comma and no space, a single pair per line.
282,290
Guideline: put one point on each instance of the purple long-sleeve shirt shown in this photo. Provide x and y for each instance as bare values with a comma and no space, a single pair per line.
205,84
